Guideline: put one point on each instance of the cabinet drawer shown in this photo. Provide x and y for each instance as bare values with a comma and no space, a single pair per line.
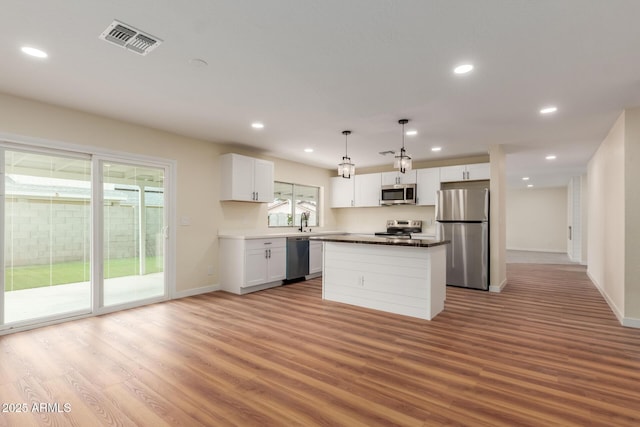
279,242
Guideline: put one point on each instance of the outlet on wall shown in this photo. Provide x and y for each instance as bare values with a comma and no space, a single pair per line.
210,270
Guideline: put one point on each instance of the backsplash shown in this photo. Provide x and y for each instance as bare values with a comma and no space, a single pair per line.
370,220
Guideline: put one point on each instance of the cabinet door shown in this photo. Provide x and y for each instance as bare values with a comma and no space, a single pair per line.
427,186
367,190
236,177
391,178
277,264
255,267
263,180
341,192
315,257
452,173
479,171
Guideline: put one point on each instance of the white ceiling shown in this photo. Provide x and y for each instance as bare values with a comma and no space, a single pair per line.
309,69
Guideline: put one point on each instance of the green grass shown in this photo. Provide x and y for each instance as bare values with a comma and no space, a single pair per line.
38,276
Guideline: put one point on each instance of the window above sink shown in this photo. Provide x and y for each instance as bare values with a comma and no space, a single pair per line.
290,202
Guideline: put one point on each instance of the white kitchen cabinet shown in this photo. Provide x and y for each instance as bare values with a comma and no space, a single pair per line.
248,265
367,190
245,178
428,183
472,172
342,192
453,173
479,171
315,257
391,178
277,265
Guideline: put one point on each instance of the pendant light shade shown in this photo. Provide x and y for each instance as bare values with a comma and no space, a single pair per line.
402,160
346,168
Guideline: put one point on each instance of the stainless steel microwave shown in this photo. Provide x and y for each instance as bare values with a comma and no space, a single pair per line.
398,194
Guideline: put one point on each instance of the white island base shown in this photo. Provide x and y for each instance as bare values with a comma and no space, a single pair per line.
397,279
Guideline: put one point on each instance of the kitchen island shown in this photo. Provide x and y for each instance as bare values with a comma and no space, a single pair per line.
403,276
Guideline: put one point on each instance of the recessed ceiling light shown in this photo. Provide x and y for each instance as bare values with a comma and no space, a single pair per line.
529,185
257,125
525,178
463,69
308,150
411,133
550,157
436,148
32,51
548,110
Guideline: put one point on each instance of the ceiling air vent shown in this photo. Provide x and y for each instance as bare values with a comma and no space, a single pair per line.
130,38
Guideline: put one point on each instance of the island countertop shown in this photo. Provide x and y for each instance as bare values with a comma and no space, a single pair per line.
379,240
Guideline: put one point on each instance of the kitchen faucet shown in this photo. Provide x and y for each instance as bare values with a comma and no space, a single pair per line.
304,221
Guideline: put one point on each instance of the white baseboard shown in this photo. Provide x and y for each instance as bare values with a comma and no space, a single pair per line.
624,321
196,291
553,251
498,288
631,322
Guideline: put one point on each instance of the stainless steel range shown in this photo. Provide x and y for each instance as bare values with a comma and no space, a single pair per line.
401,228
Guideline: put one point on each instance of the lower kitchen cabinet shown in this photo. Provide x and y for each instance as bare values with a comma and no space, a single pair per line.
252,264
315,257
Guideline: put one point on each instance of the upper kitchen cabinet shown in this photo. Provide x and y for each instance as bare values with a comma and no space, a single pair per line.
391,178
342,192
245,178
472,172
367,190
428,183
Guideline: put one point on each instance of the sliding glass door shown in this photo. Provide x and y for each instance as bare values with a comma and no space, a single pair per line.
133,232
47,229
80,234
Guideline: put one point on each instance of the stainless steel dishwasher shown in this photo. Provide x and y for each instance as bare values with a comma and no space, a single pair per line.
297,257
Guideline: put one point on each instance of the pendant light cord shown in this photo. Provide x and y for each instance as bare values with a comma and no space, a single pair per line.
346,134
346,152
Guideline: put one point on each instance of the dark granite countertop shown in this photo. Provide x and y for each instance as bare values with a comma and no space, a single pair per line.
377,240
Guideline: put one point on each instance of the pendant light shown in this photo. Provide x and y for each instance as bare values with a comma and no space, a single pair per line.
346,168
402,160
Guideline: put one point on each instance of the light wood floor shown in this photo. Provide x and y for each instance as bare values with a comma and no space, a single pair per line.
533,257
545,352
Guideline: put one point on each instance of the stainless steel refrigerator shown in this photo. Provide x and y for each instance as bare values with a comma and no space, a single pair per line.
462,217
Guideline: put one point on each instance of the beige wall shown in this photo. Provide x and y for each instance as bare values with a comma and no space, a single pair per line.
370,220
497,218
606,222
197,176
632,214
537,219
584,206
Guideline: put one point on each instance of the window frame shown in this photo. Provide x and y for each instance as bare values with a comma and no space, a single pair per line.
294,222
